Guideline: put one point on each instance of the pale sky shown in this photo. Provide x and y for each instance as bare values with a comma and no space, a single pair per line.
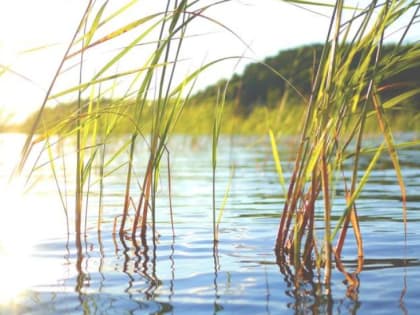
267,26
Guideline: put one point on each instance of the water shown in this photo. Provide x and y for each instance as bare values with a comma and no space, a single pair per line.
44,272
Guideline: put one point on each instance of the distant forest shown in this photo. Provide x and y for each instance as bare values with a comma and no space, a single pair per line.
265,83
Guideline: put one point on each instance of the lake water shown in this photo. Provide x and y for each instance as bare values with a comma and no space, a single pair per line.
43,272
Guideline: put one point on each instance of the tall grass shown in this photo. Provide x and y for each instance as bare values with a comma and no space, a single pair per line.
156,104
343,100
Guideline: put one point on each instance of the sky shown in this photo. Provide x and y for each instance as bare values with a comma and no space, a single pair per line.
264,27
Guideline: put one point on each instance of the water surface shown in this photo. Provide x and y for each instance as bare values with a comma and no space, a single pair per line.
42,271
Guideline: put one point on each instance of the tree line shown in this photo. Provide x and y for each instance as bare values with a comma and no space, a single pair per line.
291,72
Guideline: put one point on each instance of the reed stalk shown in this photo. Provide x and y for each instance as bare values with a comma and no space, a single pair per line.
343,99
92,124
79,153
217,124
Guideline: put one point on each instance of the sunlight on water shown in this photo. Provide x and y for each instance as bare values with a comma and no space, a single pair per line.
43,272
24,221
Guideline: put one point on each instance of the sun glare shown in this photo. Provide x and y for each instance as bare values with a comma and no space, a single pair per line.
23,224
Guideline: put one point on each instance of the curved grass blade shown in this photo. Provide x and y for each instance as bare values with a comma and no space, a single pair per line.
95,24
27,146
224,202
122,30
386,130
277,161
85,85
358,190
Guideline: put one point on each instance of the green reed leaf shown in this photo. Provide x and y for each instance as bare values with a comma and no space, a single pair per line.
277,161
